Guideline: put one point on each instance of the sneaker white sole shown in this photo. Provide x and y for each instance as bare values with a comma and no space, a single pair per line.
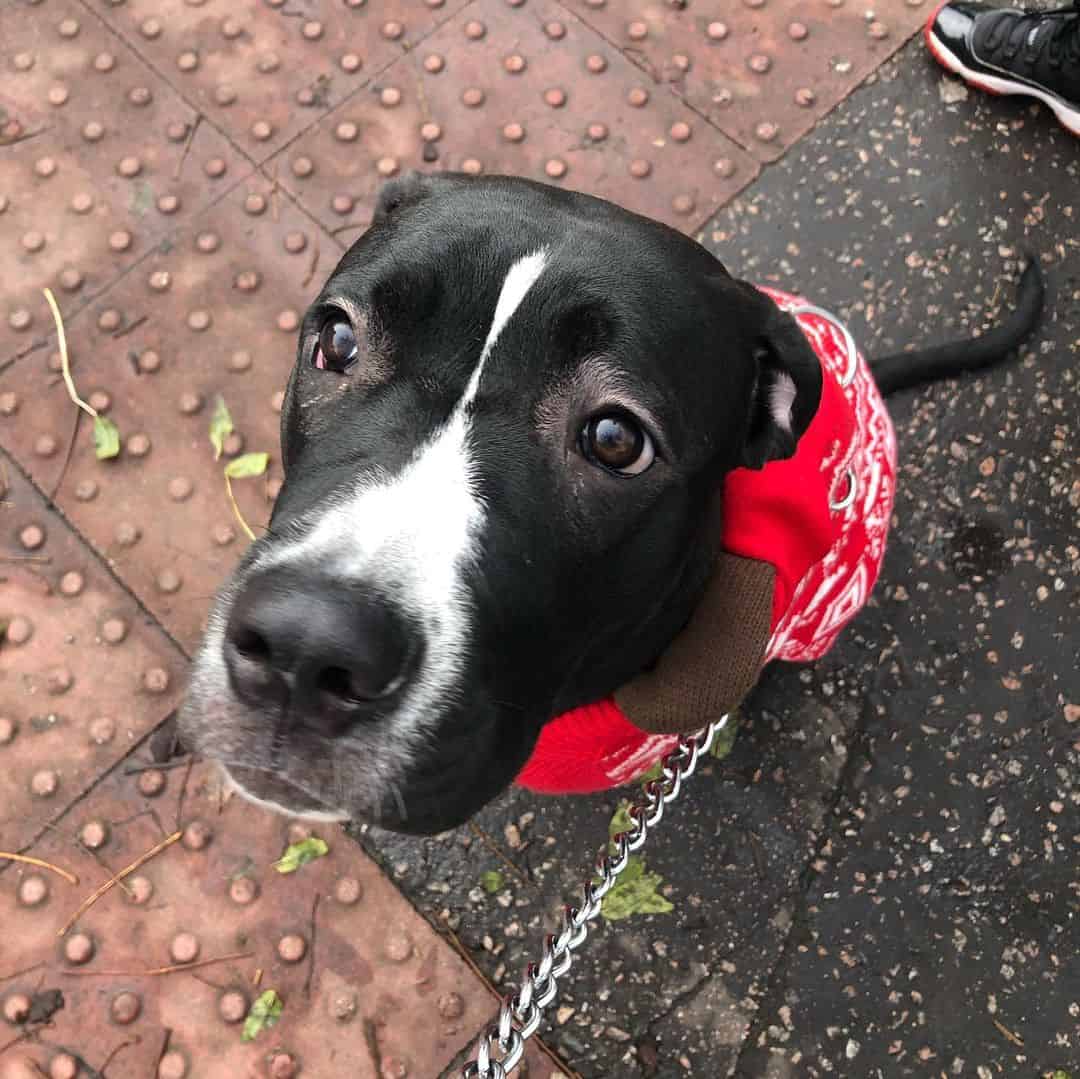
1069,117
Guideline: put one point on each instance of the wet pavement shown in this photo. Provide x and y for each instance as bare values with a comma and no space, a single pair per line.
881,878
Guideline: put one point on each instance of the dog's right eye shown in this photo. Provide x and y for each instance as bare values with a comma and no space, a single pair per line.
618,443
337,349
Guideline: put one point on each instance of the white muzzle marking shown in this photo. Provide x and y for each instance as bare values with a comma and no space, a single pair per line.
413,536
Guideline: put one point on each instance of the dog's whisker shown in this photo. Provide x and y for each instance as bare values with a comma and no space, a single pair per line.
396,790
509,704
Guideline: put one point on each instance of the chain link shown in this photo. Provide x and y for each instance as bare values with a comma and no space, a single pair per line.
519,1016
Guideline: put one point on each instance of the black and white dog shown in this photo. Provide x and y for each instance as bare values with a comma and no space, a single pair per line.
511,410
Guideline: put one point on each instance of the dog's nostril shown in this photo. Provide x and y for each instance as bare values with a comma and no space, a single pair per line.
337,682
251,644
328,654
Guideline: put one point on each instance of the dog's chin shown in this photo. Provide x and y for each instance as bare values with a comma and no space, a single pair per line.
269,790
418,812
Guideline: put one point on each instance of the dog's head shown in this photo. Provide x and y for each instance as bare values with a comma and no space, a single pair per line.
511,411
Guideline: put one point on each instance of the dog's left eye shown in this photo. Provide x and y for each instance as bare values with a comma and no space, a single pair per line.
337,349
618,443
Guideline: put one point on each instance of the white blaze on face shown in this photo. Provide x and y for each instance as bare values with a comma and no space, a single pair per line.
412,535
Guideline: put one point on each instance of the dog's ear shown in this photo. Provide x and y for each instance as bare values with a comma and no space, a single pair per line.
786,388
403,191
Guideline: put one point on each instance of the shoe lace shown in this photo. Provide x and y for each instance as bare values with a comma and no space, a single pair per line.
1063,42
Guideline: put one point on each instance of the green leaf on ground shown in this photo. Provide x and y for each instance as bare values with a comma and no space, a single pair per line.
655,772
724,739
621,821
247,464
298,854
106,438
264,1013
635,892
492,881
221,426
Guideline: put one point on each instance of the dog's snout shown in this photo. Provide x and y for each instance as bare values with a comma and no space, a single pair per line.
328,656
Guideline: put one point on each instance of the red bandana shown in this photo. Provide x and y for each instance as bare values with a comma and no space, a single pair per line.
820,518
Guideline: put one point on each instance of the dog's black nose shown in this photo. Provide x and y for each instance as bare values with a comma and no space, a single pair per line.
329,655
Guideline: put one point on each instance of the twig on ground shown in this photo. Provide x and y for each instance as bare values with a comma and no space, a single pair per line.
462,951
311,947
116,879
164,766
275,210
14,140
131,327
109,1059
65,363
15,1041
22,971
312,268
69,877
176,968
183,792
164,1048
106,436
67,454
187,146
498,851
371,1039
1007,1033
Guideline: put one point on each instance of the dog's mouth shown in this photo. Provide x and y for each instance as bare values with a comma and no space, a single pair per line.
269,788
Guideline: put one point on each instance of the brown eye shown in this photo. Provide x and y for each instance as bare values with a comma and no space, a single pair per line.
618,443
337,349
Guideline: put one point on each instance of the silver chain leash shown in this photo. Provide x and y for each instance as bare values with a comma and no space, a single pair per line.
519,1016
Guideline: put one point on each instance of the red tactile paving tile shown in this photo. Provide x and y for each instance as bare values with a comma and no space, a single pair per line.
262,70
97,157
83,675
362,976
764,71
214,312
525,89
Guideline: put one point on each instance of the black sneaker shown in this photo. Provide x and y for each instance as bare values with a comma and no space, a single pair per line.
1012,51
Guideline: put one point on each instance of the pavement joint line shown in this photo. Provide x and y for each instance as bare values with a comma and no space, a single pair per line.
658,82
170,237
53,507
453,1069
682,998
744,144
257,166
167,237
258,162
85,795
144,59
